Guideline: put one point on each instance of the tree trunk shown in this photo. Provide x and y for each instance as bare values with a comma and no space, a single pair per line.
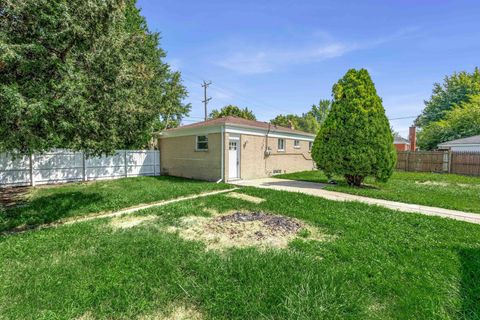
354,180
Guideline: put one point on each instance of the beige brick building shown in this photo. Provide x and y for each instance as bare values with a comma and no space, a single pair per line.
232,148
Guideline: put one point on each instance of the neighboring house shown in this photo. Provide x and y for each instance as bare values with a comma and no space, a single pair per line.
232,148
402,144
466,144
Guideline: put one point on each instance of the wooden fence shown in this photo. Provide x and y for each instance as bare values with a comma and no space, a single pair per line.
466,163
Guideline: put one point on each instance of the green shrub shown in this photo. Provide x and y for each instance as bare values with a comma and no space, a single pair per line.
355,140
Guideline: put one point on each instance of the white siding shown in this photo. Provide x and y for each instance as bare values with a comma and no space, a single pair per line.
472,148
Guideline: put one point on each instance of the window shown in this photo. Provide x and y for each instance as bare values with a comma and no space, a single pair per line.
310,143
202,143
281,144
296,144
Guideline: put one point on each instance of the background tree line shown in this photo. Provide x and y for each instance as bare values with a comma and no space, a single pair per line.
310,121
452,112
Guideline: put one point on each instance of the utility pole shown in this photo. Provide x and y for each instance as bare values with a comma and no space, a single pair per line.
205,99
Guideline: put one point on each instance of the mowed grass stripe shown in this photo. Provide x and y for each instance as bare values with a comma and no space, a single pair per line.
447,191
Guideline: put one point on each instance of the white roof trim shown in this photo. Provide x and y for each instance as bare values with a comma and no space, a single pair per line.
459,145
191,131
236,129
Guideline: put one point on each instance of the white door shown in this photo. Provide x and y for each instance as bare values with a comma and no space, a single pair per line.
233,159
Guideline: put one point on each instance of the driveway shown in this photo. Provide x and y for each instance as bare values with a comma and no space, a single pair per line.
316,189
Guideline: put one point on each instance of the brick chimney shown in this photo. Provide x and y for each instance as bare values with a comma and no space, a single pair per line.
412,137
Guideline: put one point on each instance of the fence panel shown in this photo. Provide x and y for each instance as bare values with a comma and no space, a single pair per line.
62,165
466,163
424,161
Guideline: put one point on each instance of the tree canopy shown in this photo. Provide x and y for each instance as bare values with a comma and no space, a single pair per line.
454,90
355,140
85,75
309,121
460,122
232,110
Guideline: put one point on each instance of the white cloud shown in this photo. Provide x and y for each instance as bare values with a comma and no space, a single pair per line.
254,60
263,61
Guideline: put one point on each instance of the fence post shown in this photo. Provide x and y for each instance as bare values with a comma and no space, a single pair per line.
84,167
445,162
406,161
126,165
450,156
154,161
32,176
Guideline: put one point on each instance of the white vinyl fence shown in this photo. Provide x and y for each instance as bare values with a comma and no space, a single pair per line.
63,166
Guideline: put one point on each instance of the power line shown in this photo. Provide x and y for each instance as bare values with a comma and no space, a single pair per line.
249,100
239,96
401,118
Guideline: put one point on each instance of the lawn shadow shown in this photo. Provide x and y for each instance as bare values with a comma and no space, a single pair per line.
470,283
11,197
46,209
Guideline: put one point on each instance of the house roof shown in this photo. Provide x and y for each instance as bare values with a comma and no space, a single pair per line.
468,140
240,122
400,140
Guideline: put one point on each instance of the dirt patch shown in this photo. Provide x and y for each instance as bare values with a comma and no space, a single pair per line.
245,197
432,183
127,222
177,313
86,316
244,229
13,196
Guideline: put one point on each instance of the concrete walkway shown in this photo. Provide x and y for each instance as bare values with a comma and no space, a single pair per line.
316,189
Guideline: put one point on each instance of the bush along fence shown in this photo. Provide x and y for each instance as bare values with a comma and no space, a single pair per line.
62,165
466,163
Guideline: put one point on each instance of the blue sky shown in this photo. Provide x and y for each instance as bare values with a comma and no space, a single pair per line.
282,56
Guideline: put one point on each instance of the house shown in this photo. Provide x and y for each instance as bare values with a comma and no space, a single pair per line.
471,144
231,148
402,144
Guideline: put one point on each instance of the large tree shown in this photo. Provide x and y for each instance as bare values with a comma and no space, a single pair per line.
460,122
355,140
454,90
232,110
85,75
321,110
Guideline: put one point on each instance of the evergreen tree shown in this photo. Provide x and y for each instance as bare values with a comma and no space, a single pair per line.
85,75
355,140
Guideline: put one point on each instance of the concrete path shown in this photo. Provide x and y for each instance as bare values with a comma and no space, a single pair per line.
316,189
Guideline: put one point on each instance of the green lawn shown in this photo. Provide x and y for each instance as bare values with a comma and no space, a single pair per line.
448,191
48,204
379,264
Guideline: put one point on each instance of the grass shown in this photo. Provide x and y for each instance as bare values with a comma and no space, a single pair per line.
380,264
448,191
50,204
